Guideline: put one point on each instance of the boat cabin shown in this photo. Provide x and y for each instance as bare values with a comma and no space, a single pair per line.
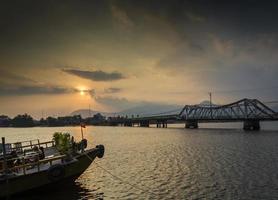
26,157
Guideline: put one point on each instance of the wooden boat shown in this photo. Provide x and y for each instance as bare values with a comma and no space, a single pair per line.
29,165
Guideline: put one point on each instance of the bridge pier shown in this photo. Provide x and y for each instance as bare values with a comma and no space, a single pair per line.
144,124
129,124
191,124
251,125
161,124
113,124
164,124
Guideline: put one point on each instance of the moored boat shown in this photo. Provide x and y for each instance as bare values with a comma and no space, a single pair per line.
29,165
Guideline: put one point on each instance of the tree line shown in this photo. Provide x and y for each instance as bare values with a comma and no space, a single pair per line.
26,120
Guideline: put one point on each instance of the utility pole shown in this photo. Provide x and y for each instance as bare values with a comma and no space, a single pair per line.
42,114
210,105
89,110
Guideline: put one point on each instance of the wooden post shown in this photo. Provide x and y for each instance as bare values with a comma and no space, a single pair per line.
82,132
38,162
24,166
4,155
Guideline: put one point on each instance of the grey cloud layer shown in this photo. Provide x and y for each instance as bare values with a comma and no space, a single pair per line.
221,44
33,90
96,75
14,79
17,85
112,90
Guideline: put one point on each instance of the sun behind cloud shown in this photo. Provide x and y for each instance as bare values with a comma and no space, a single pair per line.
82,90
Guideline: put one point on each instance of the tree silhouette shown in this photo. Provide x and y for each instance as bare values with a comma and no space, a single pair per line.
23,121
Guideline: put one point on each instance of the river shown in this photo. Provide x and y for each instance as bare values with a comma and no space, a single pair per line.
170,163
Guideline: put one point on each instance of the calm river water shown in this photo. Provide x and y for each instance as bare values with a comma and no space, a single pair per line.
172,163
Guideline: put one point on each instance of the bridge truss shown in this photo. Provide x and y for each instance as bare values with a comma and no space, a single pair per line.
249,111
245,109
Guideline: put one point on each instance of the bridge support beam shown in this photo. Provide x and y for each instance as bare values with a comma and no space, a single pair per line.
191,124
144,124
250,125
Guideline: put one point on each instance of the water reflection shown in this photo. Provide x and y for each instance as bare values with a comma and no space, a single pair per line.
172,163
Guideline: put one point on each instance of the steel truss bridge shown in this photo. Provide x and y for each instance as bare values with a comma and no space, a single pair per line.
248,111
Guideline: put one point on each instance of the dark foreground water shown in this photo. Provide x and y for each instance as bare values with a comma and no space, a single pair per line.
173,163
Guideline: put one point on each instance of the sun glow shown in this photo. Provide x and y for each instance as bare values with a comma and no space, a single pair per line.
81,90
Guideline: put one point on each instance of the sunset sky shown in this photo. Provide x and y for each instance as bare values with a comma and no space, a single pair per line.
59,56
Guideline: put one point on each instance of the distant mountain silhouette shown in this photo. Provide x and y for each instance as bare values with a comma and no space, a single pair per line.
144,109
151,108
90,113
207,103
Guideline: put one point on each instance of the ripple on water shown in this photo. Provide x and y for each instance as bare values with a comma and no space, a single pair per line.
172,163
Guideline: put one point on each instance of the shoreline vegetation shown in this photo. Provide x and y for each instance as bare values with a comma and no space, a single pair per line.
26,120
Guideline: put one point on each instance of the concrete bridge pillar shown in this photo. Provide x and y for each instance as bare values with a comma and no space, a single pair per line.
128,124
113,124
250,125
161,124
191,124
144,123
164,124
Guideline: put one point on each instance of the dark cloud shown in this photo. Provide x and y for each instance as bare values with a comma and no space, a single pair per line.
91,92
96,75
218,53
49,21
18,85
185,55
12,79
33,90
226,43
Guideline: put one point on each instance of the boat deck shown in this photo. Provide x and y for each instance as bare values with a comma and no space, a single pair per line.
28,160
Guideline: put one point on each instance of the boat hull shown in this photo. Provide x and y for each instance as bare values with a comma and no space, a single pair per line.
71,171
